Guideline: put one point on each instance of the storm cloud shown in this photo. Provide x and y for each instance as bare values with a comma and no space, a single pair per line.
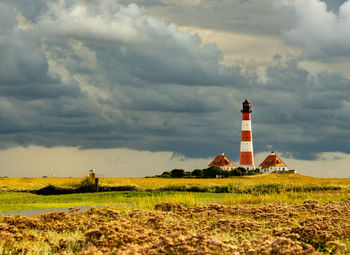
320,33
94,74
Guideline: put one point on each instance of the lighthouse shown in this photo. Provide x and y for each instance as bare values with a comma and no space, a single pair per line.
246,159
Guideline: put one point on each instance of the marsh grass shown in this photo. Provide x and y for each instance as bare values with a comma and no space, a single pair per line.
176,216
146,192
17,184
14,201
260,188
304,228
34,241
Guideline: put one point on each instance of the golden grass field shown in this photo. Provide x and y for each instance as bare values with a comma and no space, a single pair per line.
275,214
154,183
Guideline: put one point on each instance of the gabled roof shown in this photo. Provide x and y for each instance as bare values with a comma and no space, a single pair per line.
272,160
221,160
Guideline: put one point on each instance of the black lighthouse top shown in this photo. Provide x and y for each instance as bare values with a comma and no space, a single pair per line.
246,106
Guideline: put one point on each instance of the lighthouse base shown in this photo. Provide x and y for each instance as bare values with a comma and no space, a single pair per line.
248,167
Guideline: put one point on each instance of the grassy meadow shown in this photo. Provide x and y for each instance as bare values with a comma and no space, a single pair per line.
258,189
27,183
262,214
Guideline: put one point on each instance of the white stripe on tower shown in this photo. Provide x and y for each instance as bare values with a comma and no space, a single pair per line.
246,146
246,125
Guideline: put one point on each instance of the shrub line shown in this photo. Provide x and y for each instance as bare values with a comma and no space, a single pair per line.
266,188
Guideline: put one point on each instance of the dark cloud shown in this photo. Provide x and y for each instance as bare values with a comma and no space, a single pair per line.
23,65
301,113
333,5
147,96
33,99
322,35
133,48
104,75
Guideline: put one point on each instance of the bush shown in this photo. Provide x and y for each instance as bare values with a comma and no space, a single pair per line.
52,190
118,188
87,185
165,174
235,172
212,172
188,174
197,173
243,170
177,173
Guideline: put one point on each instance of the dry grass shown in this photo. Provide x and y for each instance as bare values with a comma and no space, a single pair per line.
7,184
307,228
149,183
265,214
29,183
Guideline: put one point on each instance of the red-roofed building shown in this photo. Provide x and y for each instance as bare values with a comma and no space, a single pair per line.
272,163
223,162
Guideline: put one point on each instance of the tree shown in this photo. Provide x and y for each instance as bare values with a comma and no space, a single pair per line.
177,173
243,170
165,174
225,173
197,173
236,172
212,172
188,174
254,172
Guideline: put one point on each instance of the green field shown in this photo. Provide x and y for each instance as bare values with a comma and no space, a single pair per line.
26,183
15,201
261,189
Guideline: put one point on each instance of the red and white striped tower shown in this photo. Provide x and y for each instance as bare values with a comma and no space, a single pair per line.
246,159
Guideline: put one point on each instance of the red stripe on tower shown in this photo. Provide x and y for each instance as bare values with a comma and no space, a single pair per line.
246,136
246,159
246,115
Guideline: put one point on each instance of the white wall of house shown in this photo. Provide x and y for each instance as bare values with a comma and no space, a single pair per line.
248,167
227,167
273,169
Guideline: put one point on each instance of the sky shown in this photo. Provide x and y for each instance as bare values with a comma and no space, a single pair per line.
134,88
